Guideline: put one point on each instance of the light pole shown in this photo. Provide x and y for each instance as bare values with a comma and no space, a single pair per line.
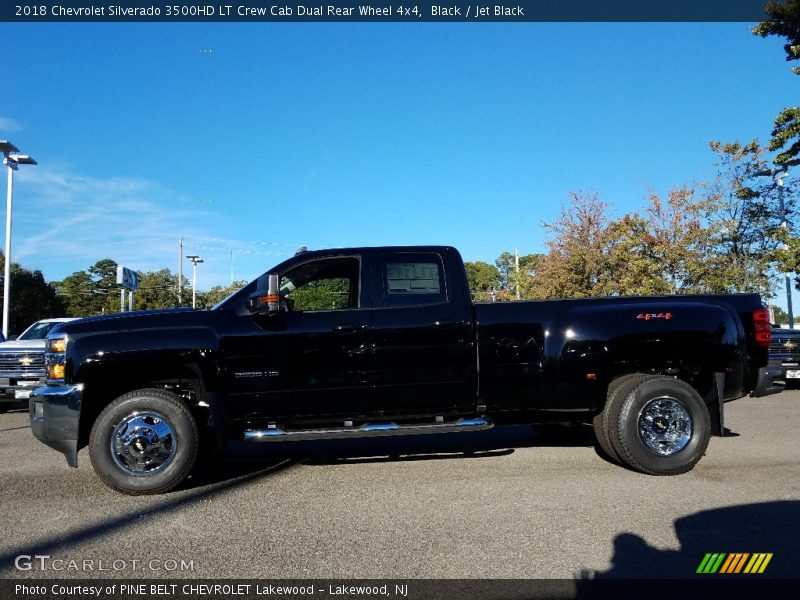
12,160
780,171
195,261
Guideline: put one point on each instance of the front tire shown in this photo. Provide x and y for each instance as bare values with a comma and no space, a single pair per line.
144,442
660,427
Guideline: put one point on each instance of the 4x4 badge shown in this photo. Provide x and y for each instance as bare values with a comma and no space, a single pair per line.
649,316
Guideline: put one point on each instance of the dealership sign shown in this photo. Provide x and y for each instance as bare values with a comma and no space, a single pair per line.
127,278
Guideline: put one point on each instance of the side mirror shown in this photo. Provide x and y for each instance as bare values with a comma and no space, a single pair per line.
265,301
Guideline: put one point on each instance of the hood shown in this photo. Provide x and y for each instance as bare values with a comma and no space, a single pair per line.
780,332
22,345
138,320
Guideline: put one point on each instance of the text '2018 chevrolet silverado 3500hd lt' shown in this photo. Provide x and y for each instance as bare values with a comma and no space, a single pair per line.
386,341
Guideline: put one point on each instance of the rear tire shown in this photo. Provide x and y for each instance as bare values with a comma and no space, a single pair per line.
144,442
660,427
621,385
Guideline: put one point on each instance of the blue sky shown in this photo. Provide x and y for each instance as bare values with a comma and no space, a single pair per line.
260,138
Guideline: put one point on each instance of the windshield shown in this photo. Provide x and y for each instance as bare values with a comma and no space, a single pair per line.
37,331
240,293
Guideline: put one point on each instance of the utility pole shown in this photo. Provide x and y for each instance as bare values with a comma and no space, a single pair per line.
180,269
516,269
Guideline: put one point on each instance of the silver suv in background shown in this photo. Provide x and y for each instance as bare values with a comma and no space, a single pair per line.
22,363
784,354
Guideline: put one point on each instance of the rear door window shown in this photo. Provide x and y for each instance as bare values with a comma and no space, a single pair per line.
413,279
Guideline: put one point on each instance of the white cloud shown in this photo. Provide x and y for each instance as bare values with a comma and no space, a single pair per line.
64,222
8,125
69,221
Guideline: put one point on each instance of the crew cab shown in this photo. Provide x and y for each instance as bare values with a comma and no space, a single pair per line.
365,342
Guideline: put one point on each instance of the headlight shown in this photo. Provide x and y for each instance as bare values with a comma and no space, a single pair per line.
55,357
57,345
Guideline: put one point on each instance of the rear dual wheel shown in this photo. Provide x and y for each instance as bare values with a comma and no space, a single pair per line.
654,424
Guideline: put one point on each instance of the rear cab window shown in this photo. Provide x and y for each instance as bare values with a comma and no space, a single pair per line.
413,279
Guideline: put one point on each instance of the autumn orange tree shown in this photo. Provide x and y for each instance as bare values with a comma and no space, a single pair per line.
577,263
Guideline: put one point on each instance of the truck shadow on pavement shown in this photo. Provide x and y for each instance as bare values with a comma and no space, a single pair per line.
236,474
241,464
768,528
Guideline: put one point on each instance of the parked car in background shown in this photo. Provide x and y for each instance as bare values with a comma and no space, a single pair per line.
22,363
784,354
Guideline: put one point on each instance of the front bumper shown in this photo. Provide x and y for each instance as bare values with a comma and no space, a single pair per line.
55,416
769,381
784,364
17,388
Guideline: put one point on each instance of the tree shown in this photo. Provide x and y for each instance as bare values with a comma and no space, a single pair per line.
76,292
576,263
784,21
664,251
31,298
483,278
91,292
779,315
218,293
512,280
745,219
321,294
157,289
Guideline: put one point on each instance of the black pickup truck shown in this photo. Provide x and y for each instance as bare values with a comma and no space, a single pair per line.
386,341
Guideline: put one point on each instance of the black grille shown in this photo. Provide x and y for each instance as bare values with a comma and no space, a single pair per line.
22,364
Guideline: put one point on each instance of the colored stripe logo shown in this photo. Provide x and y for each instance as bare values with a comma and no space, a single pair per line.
735,562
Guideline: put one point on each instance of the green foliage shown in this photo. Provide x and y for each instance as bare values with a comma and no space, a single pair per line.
505,268
482,278
784,21
744,220
31,298
158,289
217,294
90,292
577,262
779,315
663,251
76,293
787,128
321,294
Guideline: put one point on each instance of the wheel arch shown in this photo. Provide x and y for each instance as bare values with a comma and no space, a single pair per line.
190,376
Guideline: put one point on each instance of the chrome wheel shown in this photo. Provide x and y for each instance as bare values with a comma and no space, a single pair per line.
143,443
665,426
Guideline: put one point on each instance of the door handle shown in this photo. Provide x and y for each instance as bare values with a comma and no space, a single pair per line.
447,324
349,328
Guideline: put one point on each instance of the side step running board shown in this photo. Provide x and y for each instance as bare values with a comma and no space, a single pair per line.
275,434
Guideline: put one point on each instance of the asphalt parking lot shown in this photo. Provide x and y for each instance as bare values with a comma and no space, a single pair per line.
520,504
